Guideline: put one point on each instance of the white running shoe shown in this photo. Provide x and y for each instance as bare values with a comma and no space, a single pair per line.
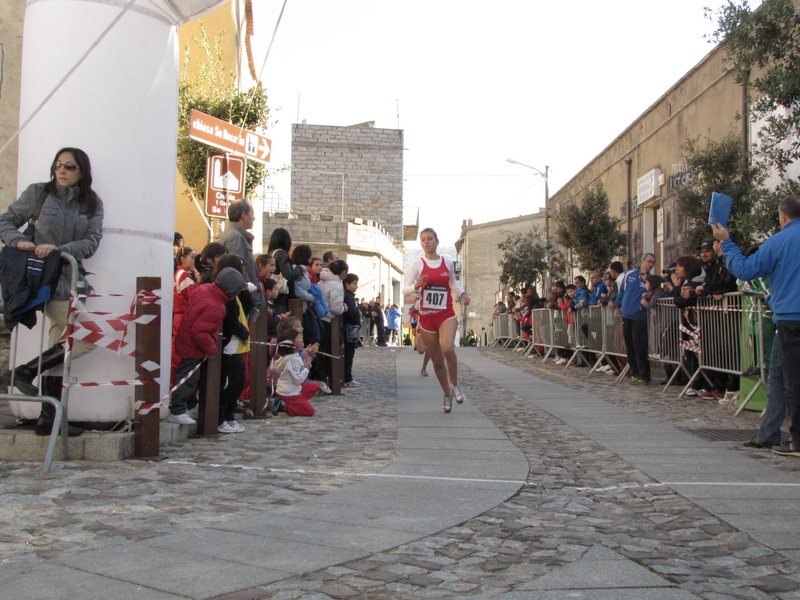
423,373
457,394
236,426
352,383
323,387
183,419
447,405
226,428
194,412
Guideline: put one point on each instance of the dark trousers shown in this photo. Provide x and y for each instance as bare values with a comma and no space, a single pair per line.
349,355
635,334
231,384
381,334
788,333
184,397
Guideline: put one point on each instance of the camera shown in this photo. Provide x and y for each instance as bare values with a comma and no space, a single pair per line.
668,272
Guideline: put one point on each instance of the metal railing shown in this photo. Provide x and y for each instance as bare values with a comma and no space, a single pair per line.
60,420
724,328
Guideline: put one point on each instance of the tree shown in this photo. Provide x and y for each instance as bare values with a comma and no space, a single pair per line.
526,257
721,166
588,229
763,47
214,92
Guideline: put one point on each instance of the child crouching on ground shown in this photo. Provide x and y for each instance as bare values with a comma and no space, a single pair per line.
292,388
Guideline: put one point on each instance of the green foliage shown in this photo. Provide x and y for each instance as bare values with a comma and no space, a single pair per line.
525,258
214,92
593,235
721,166
763,47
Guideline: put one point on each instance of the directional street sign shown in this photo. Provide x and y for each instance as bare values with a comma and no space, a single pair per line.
228,137
225,175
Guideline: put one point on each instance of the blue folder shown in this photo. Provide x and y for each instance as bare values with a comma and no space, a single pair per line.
720,209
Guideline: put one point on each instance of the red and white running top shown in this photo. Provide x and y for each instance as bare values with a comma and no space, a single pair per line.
436,294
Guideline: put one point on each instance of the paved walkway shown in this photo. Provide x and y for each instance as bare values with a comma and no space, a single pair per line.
531,489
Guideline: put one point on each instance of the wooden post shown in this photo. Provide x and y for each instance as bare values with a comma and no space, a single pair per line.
259,361
337,364
296,308
146,435
208,417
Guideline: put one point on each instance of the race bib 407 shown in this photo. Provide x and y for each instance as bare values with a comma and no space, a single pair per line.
434,297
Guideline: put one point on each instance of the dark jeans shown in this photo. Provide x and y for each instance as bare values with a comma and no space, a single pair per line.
788,337
349,355
381,334
635,334
184,397
775,412
231,384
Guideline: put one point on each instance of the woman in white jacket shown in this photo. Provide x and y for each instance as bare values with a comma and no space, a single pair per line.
330,280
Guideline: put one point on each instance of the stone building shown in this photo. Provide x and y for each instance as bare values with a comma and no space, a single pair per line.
347,195
479,258
348,172
642,168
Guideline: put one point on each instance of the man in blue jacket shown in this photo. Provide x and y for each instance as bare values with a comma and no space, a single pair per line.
777,259
634,319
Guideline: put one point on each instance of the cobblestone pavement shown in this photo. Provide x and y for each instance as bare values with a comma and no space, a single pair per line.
579,495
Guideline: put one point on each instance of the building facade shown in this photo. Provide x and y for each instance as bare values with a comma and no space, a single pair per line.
479,259
642,169
349,172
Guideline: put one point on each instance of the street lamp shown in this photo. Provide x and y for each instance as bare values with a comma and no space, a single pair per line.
546,177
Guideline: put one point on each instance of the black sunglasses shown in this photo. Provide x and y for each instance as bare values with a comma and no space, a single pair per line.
69,166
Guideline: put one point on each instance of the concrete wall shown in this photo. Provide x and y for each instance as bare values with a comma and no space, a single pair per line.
12,13
368,160
480,272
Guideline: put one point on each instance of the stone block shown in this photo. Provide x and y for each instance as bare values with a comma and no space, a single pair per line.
172,432
25,445
107,447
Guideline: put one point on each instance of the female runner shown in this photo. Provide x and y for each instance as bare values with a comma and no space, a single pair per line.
433,278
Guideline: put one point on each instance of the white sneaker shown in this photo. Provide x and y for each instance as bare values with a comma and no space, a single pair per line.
226,428
323,387
423,373
194,412
236,426
729,398
695,392
457,394
353,383
183,419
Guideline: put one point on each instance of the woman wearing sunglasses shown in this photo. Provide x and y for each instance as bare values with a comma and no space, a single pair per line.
70,220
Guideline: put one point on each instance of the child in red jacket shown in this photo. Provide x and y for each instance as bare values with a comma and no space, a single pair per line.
197,336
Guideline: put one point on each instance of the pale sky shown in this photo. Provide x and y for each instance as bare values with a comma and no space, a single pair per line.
475,83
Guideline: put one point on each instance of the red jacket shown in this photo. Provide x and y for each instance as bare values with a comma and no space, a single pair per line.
198,332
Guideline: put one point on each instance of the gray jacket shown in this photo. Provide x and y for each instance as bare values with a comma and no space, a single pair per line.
238,241
61,223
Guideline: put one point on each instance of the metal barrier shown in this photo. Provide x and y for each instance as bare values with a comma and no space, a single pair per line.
60,420
366,338
663,336
722,326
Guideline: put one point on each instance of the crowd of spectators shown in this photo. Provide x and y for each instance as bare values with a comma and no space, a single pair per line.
629,295
244,288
